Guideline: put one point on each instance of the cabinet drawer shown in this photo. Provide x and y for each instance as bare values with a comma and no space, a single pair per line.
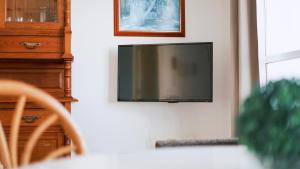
45,145
47,76
51,140
31,44
29,117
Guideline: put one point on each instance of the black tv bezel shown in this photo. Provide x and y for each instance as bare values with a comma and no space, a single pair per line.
168,100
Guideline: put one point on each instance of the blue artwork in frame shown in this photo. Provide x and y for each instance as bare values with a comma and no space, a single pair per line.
149,18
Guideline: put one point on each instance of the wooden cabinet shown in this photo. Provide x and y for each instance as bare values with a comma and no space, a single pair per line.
52,139
35,47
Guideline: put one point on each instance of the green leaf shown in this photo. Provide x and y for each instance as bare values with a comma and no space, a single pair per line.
269,123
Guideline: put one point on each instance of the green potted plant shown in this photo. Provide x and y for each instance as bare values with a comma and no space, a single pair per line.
269,123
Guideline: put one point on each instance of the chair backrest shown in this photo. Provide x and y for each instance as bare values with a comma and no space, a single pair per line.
25,93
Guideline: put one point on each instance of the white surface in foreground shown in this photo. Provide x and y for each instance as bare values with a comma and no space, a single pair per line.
220,157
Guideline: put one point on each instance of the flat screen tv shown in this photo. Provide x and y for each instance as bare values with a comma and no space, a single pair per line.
166,72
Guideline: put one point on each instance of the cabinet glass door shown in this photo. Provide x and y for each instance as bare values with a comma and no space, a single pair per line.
31,11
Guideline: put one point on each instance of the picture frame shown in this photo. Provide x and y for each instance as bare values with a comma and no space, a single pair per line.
160,18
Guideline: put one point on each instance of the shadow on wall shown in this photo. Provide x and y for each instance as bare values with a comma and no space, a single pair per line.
113,75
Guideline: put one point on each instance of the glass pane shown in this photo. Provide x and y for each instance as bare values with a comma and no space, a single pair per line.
31,11
282,24
285,69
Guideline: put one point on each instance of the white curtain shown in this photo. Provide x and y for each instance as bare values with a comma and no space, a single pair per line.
247,47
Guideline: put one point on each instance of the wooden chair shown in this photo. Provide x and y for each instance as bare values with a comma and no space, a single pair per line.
25,92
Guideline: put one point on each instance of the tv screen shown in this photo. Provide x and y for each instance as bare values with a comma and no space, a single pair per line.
166,72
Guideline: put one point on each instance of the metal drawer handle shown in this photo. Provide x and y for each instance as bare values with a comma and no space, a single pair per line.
30,119
31,45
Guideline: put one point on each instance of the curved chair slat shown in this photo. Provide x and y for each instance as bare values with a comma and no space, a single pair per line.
15,126
26,156
25,93
60,152
4,151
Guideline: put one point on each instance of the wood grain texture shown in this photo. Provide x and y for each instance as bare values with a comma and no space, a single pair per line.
68,78
47,66
2,13
30,56
51,140
48,143
118,32
46,75
32,32
30,117
37,133
13,44
59,152
51,80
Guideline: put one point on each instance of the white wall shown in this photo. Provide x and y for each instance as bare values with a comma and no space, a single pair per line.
110,126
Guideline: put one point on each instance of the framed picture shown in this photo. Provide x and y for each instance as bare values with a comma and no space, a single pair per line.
149,18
